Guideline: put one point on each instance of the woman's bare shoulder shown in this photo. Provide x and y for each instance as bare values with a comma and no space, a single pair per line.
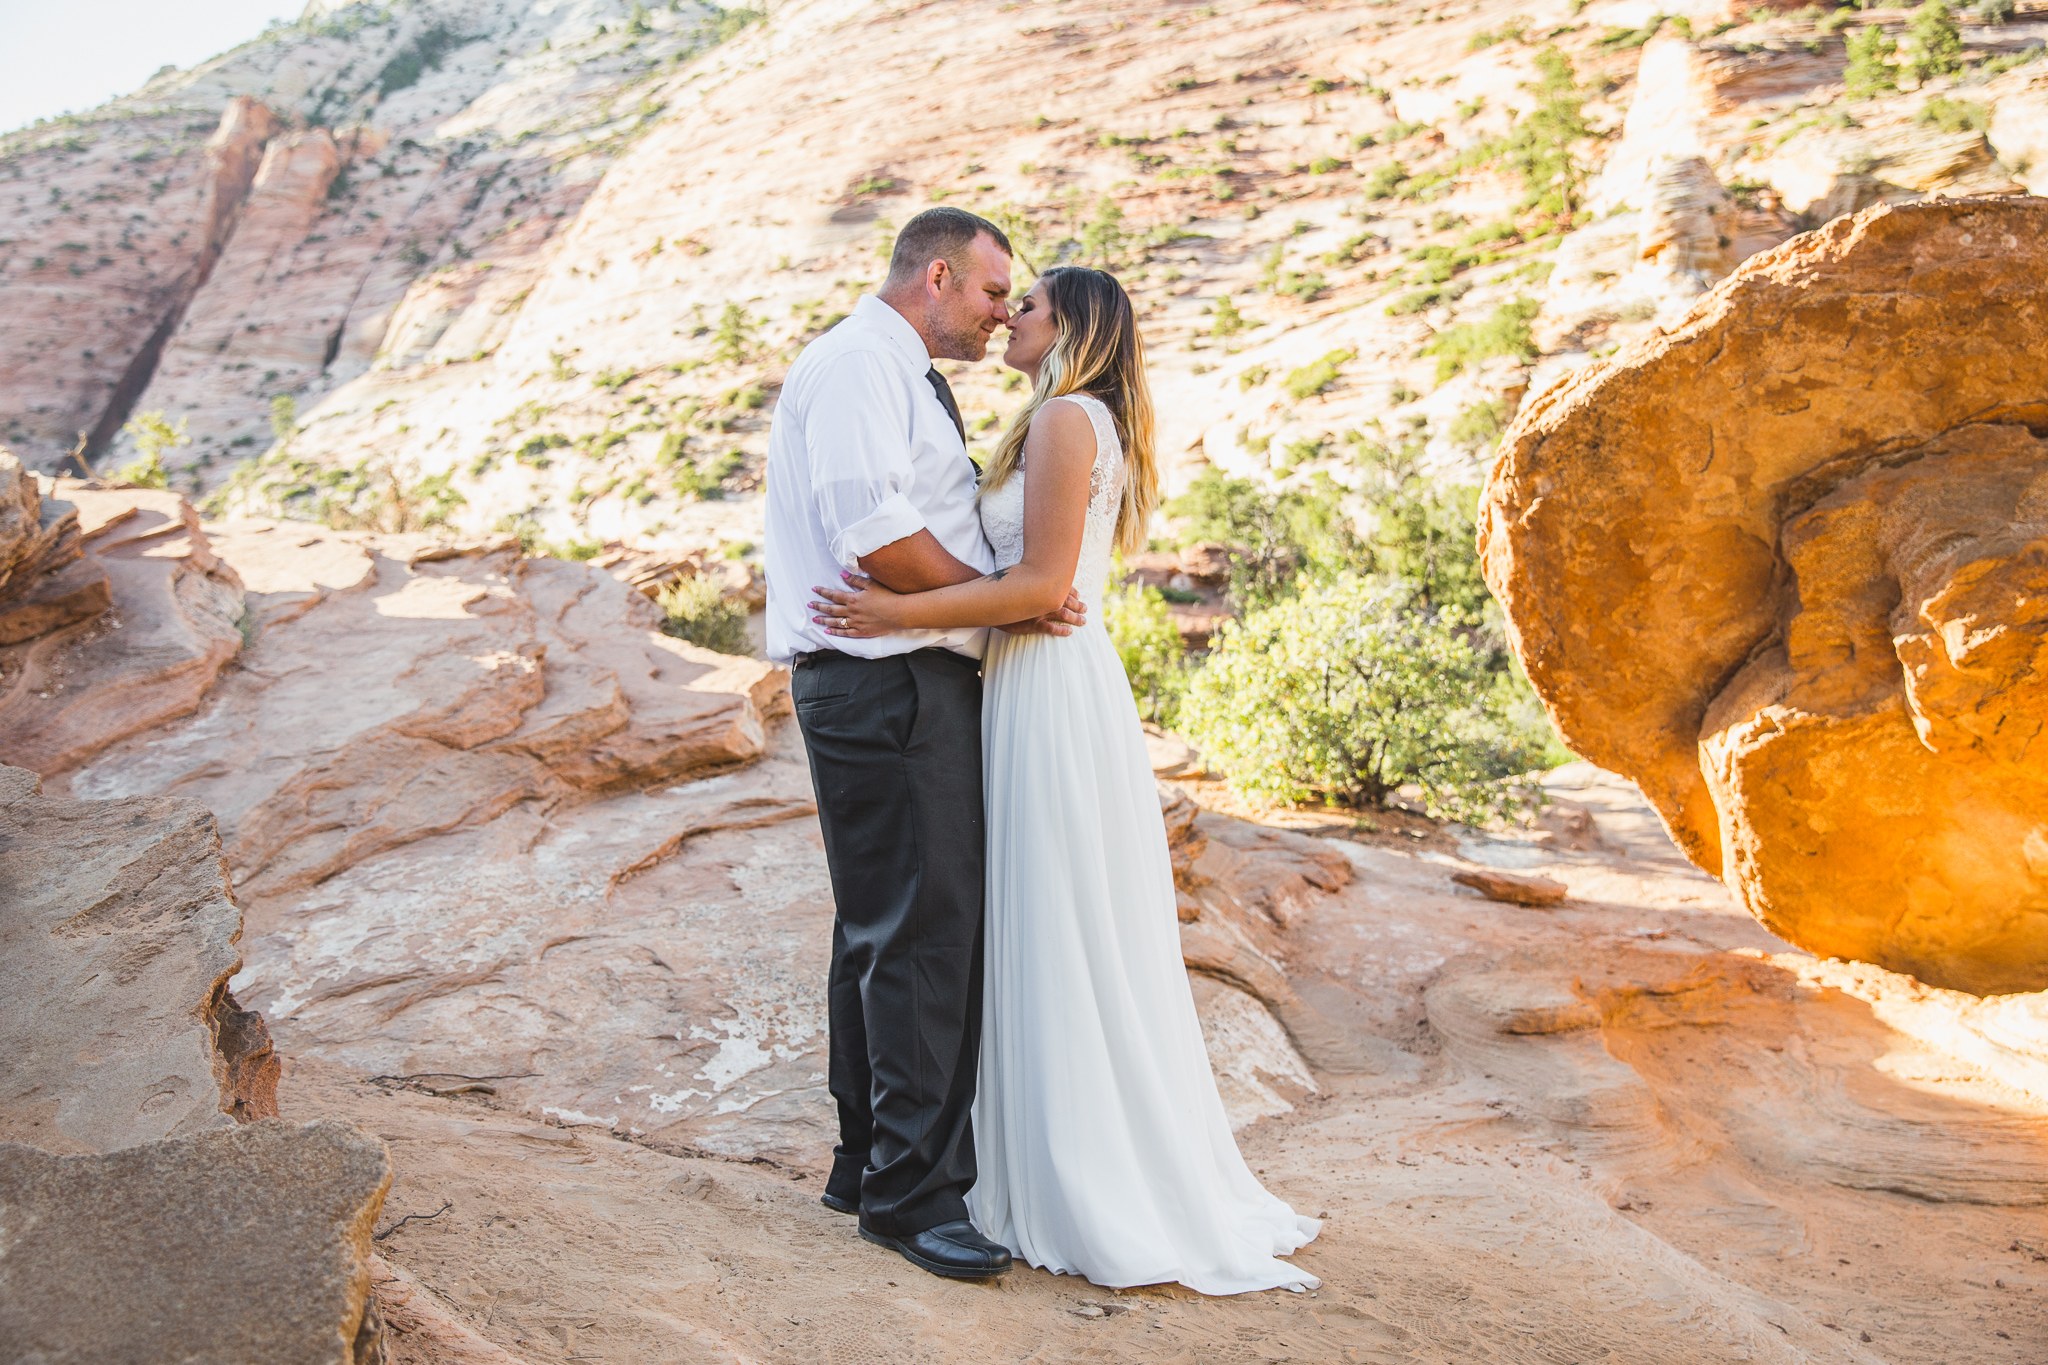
1063,423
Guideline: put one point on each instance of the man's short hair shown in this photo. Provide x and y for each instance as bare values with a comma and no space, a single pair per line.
941,234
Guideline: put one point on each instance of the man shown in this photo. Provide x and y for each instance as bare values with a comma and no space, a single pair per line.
868,472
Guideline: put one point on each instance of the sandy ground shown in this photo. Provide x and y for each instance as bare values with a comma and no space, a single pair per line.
1633,1128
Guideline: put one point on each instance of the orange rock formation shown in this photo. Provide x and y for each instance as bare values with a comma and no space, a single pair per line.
1784,567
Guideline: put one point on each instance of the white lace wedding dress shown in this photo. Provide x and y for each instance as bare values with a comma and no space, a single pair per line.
1102,1144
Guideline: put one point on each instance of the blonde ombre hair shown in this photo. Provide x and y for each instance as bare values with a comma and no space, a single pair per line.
1096,350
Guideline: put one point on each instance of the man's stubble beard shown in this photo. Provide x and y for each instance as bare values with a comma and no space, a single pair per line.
962,341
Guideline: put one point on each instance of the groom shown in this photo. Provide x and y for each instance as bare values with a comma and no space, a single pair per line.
868,472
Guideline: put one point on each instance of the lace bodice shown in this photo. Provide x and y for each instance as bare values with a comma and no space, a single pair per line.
1002,509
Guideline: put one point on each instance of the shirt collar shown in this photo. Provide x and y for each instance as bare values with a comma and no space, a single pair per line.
896,329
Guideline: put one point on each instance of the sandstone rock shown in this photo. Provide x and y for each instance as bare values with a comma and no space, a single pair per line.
2019,129
1171,755
1901,716
129,1256
1511,887
1669,533
117,946
1825,173
69,694
407,694
44,584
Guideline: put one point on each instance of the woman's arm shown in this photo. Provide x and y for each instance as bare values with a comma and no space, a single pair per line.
1060,453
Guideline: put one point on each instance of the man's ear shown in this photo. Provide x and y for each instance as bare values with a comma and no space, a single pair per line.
936,276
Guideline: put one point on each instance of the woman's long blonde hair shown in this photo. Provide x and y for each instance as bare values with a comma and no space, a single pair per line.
1096,350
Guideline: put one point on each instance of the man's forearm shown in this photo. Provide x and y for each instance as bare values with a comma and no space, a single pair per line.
916,563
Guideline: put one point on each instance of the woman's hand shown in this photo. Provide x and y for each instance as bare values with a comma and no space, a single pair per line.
861,610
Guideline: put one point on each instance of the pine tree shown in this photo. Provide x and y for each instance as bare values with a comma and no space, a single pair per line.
1540,146
1870,71
1934,43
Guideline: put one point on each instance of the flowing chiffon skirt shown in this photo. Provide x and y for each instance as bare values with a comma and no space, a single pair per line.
1102,1144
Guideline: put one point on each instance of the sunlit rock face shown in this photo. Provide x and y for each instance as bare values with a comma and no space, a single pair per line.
1783,565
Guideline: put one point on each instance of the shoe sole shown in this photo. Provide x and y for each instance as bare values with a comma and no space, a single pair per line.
931,1267
838,1205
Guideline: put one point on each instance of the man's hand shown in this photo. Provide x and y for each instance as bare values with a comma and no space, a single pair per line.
1060,621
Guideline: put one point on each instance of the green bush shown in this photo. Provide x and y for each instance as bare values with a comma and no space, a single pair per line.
1274,536
1479,425
1934,44
1229,322
1386,182
1316,376
1504,332
1344,693
1539,148
153,436
695,610
1147,641
1870,71
733,342
1420,530
1954,116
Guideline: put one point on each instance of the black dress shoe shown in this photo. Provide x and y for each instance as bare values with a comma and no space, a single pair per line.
954,1250
838,1205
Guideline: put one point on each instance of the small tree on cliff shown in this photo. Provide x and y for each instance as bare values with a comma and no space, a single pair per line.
1871,71
1540,147
1934,44
284,418
153,436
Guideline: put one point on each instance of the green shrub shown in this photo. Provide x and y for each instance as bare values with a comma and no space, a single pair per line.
733,341
1954,116
1344,693
731,22
1997,11
153,436
1479,425
1539,147
1274,536
1415,300
1150,646
695,610
1386,182
1229,322
1934,44
1505,332
1870,71
1316,376
1420,531
425,52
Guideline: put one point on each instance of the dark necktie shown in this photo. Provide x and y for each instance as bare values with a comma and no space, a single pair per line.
945,393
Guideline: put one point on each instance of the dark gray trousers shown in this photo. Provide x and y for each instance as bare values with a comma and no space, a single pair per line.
895,750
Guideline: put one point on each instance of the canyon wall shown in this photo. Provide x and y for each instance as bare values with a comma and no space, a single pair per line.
544,270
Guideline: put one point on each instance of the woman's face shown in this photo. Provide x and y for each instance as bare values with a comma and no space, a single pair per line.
1032,332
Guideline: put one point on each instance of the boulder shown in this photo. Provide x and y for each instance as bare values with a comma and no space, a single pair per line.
1778,565
1511,887
67,694
212,1249
44,582
115,1016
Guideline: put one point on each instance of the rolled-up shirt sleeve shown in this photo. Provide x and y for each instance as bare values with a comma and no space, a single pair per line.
858,444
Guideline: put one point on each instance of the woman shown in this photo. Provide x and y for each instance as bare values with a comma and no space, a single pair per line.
1102,1144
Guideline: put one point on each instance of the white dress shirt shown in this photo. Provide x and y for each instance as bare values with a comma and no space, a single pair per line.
861,453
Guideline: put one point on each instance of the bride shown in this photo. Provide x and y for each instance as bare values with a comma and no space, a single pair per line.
1101,1141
